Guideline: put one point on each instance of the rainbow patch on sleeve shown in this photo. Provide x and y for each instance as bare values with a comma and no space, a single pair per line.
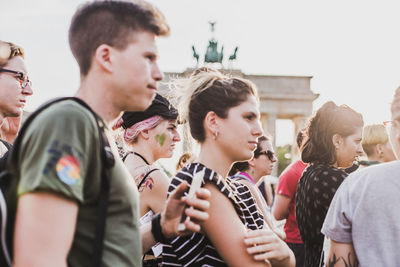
68,170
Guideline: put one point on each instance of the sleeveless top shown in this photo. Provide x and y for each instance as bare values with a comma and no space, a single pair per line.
196,249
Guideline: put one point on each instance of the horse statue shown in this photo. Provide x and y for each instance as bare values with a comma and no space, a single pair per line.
195,55
212,55
233,56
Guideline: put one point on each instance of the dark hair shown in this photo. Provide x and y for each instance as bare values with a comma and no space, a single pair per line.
209,90
111,23
299,138
329,120
244,165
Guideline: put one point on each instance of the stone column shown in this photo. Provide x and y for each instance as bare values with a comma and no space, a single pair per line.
268,122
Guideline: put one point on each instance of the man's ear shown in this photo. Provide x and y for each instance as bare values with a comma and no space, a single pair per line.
379,149
337,141
103,57
211,124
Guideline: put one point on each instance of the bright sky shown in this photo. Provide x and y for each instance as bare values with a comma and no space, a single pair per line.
351,48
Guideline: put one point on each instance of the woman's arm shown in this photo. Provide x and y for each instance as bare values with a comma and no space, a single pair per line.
280,209
262,206
341,254
154,194
268,190
224,227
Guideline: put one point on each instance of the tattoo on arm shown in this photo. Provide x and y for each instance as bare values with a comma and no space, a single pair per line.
149,182
351,260
332,261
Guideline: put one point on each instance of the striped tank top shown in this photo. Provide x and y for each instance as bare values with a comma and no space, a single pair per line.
196,249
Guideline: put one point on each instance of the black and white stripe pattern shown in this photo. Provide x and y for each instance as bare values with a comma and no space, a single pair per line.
197,249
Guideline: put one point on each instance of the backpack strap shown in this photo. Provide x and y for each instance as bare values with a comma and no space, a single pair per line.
7,144
108,162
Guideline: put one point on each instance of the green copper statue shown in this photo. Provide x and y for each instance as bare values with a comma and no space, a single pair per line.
212,54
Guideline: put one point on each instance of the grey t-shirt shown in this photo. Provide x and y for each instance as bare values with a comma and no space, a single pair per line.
366,212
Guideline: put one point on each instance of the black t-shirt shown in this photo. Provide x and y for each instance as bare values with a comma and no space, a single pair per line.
315,191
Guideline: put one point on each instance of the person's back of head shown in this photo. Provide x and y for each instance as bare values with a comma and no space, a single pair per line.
329,120
113,23
184,159
373,135
300,138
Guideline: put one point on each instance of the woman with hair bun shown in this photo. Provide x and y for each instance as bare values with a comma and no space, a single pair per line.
223,117
332,143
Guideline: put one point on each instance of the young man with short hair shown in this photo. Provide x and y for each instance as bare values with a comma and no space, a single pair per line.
114,44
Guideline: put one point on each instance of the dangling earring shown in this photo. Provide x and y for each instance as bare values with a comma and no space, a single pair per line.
215,135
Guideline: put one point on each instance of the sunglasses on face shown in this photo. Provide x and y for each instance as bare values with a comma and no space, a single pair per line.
269,154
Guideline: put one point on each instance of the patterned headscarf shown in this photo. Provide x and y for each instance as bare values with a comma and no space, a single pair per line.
132,132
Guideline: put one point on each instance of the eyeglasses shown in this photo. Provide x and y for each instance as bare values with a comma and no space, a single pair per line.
23,79
269,154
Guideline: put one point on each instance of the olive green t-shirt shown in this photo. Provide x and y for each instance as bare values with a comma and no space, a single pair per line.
61,153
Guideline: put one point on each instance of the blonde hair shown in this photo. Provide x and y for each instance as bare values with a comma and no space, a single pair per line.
184,159
207,90
373,135
8,51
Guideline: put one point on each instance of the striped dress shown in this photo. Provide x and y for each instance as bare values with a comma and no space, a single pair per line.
197,249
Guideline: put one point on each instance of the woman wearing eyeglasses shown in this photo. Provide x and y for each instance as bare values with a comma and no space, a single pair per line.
15,86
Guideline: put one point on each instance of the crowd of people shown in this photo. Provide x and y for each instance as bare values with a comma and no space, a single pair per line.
217,209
